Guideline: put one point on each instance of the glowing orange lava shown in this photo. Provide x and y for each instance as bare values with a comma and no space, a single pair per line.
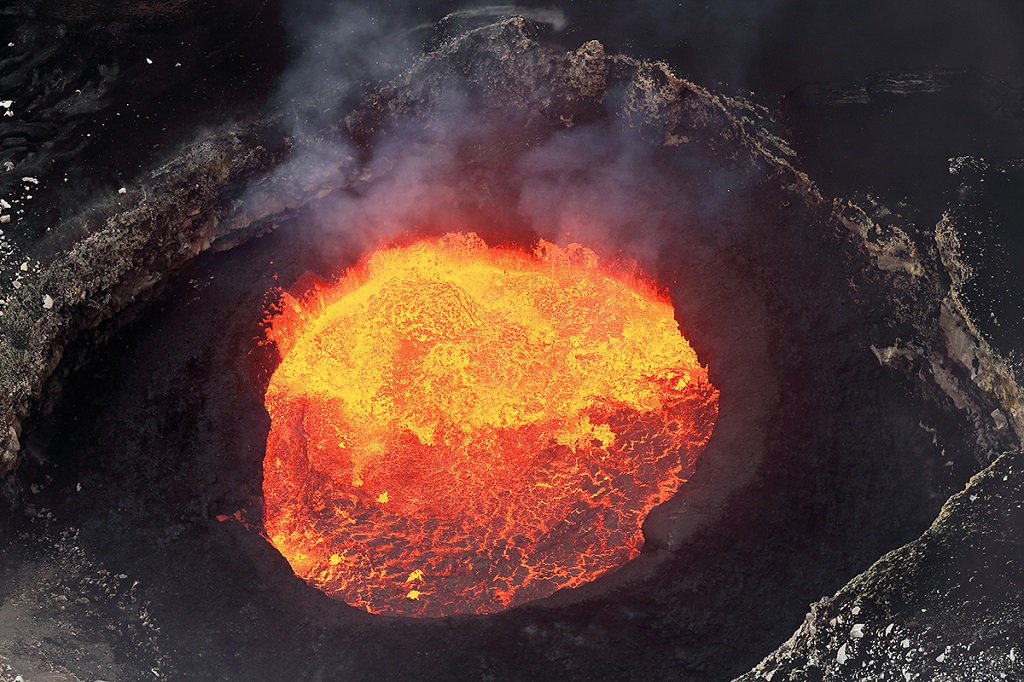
459,429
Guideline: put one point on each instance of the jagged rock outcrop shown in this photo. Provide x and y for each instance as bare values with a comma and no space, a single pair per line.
943,607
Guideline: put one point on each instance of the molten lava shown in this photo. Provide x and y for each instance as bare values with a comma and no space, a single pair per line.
459,429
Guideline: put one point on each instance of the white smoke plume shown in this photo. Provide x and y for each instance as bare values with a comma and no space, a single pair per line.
598,184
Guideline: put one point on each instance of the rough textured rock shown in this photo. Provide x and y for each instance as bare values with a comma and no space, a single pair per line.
73,254
943,607
125,246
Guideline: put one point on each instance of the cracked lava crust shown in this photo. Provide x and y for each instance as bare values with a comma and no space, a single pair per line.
459,429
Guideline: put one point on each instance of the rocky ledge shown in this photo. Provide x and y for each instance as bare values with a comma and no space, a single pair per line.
943,607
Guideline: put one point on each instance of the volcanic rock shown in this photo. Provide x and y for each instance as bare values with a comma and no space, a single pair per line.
856,395
940,607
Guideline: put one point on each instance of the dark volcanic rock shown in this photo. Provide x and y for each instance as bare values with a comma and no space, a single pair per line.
87,118
944,607
856,394
107,257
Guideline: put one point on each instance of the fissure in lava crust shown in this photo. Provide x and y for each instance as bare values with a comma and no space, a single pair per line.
459,429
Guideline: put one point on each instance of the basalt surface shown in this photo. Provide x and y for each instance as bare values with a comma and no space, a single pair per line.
856,396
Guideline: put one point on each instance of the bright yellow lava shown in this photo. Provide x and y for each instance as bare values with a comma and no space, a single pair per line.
457,428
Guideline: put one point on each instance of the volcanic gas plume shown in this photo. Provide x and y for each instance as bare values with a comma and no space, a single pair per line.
458,428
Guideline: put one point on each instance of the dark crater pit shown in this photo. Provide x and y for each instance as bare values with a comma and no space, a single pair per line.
848,413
